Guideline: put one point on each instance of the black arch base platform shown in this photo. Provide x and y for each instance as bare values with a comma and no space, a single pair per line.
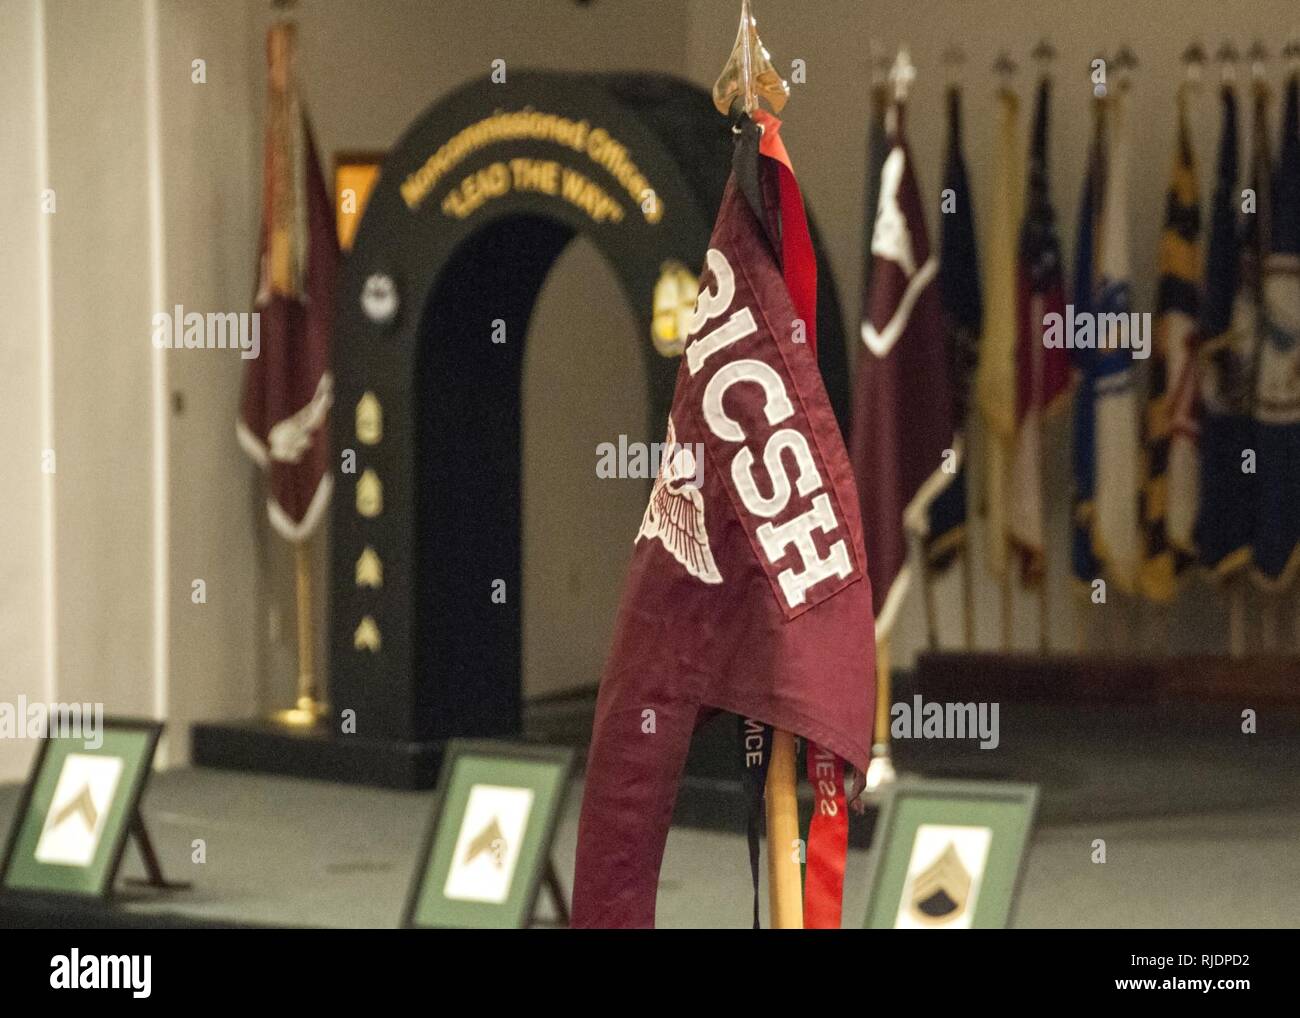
472,208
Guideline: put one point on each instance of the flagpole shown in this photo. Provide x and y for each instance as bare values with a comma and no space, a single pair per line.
1042,612
1005,590
1043,54
784,883
967,598
745,77
880,772
927,592
308,708
1236,617
1268,624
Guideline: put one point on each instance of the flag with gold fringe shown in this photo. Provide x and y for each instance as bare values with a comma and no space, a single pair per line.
288,389
995,376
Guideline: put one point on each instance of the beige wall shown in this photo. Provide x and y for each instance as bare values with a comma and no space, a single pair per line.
584,384
100,275
220,652
24,342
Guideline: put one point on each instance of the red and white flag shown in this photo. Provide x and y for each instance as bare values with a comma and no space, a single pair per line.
747,591
903,446
288,388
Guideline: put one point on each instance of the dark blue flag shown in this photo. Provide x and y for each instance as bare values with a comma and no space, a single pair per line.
1225,520
963,312
1277,393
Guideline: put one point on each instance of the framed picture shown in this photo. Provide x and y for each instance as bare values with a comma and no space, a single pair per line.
77,810
949,854
355,176
488,847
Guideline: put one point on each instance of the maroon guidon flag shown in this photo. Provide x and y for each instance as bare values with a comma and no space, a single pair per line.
902,398
288,388
747,591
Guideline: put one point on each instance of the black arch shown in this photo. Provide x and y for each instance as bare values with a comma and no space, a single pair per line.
449,661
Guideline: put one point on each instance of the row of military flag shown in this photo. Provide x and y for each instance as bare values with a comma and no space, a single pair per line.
1197,462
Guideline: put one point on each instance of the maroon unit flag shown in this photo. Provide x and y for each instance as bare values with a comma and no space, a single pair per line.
288,388
747,591
902,401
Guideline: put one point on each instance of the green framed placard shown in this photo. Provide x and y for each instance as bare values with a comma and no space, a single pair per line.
488,846
949,854
77,811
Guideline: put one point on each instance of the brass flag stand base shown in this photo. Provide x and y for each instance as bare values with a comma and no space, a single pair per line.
310,709
307,714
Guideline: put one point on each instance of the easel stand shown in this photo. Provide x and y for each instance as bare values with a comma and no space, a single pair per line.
551,883
153,868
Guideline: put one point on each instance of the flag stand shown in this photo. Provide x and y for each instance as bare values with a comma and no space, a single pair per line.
308,709
747,75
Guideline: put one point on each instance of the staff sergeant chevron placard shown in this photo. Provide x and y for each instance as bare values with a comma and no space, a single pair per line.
949,855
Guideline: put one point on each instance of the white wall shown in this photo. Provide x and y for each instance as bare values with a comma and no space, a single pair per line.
25,577
218,652
155,188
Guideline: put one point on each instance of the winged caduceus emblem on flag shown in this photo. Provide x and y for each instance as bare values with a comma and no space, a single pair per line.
675,514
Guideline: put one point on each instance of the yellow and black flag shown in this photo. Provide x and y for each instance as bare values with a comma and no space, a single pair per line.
995,376
1169,483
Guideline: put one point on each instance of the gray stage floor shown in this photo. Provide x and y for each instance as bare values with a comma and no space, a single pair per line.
310,853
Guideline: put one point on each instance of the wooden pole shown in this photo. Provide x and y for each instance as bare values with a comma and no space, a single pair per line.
1005,589
1081,606
306,636
880,772
967,599
1269,625
785,891
883,692
1236,618
931,616
1042,613
308,708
